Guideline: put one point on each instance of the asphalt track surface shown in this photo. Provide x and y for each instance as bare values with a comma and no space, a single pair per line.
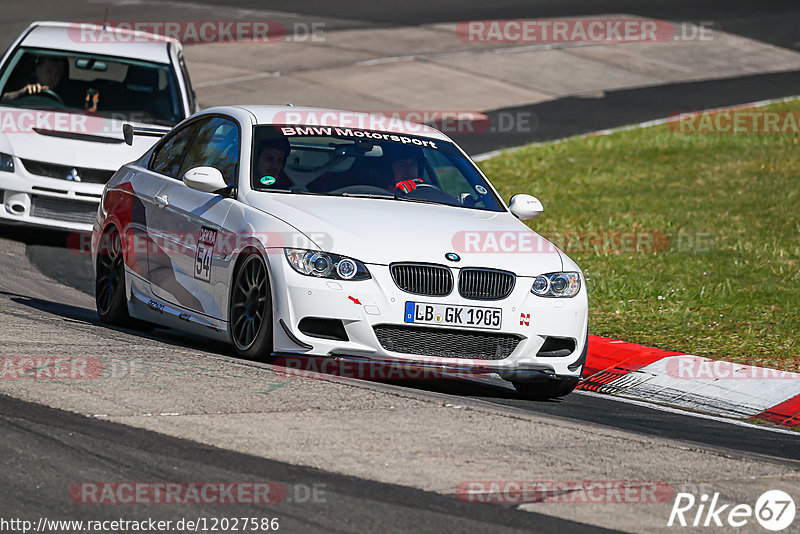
47,251
564,117
79,444
59,448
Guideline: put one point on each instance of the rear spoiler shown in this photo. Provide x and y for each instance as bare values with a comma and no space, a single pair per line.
129,130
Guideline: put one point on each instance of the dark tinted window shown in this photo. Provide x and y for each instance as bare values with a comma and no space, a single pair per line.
216,144
345,161
119,88
169,156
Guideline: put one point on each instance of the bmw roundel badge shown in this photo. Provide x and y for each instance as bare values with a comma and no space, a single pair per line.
452,256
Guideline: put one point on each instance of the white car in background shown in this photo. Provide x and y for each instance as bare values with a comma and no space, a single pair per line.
294,239
65,92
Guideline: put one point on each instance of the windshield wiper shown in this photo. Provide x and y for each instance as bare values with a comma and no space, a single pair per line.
423,201
290,192
366,195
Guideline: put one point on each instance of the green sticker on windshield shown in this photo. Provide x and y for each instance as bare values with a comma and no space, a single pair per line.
267,180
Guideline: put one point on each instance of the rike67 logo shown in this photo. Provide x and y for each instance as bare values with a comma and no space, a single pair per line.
774,510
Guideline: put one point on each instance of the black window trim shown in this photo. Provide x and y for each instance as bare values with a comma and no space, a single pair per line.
183,69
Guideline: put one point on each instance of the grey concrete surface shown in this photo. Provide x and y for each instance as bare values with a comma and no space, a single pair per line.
430,68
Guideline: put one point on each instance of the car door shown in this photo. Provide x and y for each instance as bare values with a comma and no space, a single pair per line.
190,222
147,205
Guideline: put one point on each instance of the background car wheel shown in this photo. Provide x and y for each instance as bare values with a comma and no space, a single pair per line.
109,287
251,309
546,390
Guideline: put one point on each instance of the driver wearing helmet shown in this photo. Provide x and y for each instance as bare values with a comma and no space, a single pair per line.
406,163
47,75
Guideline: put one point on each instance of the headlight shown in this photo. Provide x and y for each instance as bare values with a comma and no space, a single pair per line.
325,265
6,163
557,285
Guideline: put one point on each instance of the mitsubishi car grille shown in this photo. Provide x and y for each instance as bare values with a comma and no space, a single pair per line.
485,284
446,343
63,210
422,279
66,172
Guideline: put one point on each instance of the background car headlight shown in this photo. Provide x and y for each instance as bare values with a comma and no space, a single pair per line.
325,265
6,163
557,285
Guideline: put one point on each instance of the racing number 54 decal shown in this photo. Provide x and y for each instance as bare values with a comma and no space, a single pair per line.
205,249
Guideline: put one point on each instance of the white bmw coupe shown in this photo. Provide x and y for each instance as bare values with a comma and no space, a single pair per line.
306,232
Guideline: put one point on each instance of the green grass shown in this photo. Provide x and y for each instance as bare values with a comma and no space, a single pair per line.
733,295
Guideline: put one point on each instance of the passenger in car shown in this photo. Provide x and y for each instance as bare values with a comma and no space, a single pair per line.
270,160
47,75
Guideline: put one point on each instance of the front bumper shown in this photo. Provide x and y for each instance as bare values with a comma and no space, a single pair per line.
363,305
49,202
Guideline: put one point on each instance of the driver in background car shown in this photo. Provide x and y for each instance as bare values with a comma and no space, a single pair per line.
270,160
47,74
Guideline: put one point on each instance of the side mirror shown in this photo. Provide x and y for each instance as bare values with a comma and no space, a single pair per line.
525,206
205,179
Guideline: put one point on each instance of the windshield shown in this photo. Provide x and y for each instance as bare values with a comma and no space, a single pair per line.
364,163
118,88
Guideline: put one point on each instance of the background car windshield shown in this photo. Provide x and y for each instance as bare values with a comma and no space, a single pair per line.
112,87
333,161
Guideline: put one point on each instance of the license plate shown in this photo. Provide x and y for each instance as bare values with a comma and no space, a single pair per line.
446,315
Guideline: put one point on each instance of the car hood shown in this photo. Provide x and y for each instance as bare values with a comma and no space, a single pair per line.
381,231
68,139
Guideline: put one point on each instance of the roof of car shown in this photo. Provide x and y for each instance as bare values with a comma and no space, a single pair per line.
93,39
388,122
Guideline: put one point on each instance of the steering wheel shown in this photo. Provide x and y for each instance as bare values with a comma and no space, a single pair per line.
43,98
320,171
50,93
419,186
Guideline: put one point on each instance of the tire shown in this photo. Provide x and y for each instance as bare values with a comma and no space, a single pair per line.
250,313
551,389
109,285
